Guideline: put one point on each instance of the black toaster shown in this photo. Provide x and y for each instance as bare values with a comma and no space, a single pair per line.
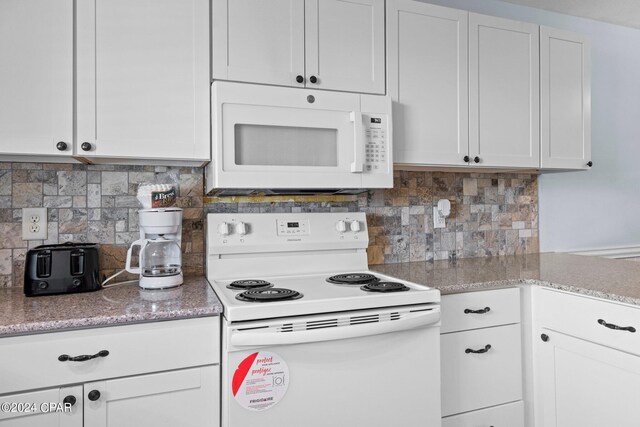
61,269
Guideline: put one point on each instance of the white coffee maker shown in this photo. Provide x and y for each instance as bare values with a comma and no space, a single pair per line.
160,259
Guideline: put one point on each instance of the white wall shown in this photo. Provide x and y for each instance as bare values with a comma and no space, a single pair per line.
599,208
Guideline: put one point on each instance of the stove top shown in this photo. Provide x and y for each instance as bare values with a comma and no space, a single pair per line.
281,296
275,265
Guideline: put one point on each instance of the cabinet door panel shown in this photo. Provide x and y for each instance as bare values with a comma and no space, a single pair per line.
344,43
427,75
186,398
565,100
258,41
36,76
143,78
503,92
586,384
44,415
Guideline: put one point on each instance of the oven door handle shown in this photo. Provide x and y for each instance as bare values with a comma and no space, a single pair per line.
358,142
412,321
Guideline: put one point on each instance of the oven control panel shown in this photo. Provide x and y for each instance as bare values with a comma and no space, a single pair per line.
376,155
293,227
273,232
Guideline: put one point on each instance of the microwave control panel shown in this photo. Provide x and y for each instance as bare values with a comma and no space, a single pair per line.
376,155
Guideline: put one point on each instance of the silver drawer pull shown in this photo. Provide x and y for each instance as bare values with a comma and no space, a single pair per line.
616,327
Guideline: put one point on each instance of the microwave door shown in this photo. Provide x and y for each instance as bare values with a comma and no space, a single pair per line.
280,147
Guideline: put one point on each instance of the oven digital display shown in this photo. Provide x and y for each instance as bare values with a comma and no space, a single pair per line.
376,120
293,224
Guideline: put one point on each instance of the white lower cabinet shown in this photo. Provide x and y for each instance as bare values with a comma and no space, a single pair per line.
162,374
586,384
185,398
481,354
32,409
509,415
586,362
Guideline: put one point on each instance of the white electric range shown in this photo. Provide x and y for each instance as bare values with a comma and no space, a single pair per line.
310,336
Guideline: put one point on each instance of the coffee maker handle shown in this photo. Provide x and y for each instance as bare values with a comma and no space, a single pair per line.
135,270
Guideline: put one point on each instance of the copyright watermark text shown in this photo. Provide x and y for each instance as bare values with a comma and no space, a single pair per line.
32,407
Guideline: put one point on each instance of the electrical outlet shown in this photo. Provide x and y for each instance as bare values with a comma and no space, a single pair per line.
34,223
438,219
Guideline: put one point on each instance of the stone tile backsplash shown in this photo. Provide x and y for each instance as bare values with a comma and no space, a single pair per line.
92,203
492,214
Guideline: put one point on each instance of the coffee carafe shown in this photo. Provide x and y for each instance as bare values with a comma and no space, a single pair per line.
160,257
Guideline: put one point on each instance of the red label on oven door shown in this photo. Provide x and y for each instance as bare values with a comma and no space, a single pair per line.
260,381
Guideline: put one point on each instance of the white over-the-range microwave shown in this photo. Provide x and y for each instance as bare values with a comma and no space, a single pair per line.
269,139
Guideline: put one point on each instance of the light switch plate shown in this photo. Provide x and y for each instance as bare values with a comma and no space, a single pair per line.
34,223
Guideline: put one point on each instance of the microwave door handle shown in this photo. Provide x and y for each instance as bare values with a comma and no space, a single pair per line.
358,142
412,321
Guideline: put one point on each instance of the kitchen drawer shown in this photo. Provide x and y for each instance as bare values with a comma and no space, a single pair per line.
509,415
503,304
31,361
580,316
472,381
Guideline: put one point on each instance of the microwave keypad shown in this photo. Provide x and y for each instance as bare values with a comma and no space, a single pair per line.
375,147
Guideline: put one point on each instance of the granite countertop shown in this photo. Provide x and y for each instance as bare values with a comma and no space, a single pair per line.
117,305
612,279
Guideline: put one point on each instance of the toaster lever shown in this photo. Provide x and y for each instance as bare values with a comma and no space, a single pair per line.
43,264
77,263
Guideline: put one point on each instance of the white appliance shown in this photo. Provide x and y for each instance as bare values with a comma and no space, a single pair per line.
332,354
276,139
160,256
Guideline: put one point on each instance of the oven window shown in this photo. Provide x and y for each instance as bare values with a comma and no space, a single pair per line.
285,146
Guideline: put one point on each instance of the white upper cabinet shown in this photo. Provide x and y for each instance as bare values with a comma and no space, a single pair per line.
427,80
320,44
345,45
259,41
565,100
36,77
503,93
143,80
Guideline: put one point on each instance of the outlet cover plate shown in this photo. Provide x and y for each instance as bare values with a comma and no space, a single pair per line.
34,223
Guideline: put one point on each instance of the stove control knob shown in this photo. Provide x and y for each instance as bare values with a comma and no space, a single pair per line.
223,229
355,226
241,228
341,226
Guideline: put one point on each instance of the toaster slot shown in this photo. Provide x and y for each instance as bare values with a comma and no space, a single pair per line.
43,264
77,262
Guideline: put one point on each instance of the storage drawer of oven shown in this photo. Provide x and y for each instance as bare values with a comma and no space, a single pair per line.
481,368
33,361
473,310
599,321
509,415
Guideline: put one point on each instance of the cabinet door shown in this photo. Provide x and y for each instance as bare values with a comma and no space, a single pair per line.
36,76
427,80
344,45
185,398
586,384
503,92
565,100
259,41
44,408
143,79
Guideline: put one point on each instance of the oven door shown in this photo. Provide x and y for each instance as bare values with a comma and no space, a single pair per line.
283,138
360,369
